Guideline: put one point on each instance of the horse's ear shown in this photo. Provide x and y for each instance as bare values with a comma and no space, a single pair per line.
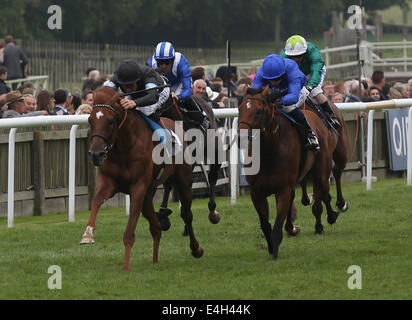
265,92
245,89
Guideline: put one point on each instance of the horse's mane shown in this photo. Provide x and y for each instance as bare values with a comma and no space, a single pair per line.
254,91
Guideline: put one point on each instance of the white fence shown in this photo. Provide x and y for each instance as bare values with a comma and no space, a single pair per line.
234,151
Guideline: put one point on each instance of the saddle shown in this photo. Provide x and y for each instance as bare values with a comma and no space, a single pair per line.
321,114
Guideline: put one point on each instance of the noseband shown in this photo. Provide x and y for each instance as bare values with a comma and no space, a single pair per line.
109,143
266,108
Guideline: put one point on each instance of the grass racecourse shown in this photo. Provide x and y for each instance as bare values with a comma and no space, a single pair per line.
374,234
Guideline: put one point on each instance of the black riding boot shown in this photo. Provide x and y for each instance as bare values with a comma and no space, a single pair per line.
195,113
329,112
309,139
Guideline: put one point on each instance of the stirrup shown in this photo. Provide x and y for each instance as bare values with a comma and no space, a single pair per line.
335,122
312,142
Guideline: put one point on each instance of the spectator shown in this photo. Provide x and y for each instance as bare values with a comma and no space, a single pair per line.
245,80
378,80
92,81
45,100
198,73
394,93
15,104
61,96
338,97
252,73
29,103
74,104
340,87
84,109
385,91
406,91
215,98
15,61
199,88
87,97
1,53
354,92
216,84
328,90
229,77
3,87
374,93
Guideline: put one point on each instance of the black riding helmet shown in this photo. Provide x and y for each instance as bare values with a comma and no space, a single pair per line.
128,72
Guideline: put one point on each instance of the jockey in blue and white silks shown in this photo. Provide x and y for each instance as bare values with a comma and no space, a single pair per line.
283,75
175,67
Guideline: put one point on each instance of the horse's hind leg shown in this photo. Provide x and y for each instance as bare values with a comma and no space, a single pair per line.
317,209
184,191
105,190
154,224
340,201
164,211
262,207
214,216
289,227
306,199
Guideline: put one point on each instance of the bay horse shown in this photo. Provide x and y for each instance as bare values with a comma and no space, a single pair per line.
340,159
121,146
172,111
283,163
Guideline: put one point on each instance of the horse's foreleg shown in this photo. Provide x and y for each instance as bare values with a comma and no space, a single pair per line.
306,199
340,201
292,213
164,211
317,209
283,202
214,216
136,204
262,207
102,194
154,224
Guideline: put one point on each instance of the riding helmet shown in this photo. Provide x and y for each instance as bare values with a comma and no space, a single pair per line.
164,51
128,72
273,67
295,46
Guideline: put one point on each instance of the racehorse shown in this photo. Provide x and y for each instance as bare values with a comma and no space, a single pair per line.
121,145
172,111
284,163
340,159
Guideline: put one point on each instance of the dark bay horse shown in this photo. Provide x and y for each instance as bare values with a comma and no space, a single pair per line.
122,146
283,163
340,159
173,112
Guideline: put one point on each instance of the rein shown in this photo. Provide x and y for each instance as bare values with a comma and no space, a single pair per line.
266,108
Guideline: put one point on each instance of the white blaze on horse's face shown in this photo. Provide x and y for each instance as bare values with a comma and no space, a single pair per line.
99,115
248,105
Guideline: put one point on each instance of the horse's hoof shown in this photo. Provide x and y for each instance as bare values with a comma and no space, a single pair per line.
126,268
214,217
308,200
344,208
198,253
294,232
319,230
332,217
163,220
88,237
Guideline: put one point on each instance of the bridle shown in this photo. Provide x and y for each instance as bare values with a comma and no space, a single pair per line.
265,109
108,141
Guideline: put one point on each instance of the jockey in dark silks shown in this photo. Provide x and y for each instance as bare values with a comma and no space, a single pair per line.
130,77
309,58
175,67
283,75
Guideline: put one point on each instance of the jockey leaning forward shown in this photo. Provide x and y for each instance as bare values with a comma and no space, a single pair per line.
130,78
175,67
309,58
283,75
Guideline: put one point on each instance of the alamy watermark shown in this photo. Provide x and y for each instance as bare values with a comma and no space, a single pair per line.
215,152
355,280
55,280
55,21
355,20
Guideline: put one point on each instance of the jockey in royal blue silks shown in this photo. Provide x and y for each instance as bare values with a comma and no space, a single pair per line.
175,67
284,75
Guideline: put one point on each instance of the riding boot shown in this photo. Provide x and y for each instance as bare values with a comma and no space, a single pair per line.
329,112
309,139
195,113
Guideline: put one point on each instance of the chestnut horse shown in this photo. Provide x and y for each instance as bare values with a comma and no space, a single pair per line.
121,145
284,163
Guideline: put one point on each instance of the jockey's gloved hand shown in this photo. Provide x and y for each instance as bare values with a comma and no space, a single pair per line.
274,95
309,88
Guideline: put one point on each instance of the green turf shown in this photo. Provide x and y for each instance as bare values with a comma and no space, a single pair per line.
375,234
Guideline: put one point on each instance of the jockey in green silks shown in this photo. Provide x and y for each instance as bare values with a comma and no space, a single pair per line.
309,58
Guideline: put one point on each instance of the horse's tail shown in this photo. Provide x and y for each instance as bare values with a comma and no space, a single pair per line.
309,159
